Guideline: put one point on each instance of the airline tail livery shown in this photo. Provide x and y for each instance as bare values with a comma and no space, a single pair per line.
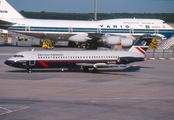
111,31
80,59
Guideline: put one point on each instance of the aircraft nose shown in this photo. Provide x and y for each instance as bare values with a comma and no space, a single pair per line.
9,62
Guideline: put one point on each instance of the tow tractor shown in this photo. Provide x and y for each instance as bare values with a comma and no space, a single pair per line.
47,44
154,44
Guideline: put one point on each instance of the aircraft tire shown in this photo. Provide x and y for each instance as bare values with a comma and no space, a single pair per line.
95,70
29,70
85,69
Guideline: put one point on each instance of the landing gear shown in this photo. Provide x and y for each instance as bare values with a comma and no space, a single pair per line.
95,70
72,44
29,70
85,69
92,46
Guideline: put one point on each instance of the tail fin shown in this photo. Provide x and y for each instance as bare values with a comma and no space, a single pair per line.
7,11
142,44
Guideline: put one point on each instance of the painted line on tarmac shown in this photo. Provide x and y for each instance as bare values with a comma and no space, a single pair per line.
5,109
12,111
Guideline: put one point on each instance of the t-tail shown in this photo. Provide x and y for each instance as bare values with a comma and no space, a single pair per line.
142,44
7,11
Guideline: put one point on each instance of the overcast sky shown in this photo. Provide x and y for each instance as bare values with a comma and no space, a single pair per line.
87,6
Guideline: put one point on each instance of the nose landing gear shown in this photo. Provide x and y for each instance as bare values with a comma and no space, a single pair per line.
29,70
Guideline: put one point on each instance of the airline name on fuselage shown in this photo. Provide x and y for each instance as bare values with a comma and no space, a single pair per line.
3,11
114,26
49,55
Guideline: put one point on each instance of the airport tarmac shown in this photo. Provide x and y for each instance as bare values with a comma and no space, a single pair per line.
143,91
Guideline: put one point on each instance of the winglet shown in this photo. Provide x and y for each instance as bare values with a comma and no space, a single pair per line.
7,11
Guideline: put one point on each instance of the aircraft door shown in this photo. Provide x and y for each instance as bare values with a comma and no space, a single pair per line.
131,31
156,31
70,29
27,28
32,60
140,22
98,30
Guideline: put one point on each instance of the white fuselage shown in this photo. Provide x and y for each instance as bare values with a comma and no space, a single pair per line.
80,31
70,59
112,26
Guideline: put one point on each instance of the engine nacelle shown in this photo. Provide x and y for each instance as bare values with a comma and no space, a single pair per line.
117,40
79,38
112,40
126,42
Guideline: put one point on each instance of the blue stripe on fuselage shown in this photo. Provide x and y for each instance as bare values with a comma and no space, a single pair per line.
166,32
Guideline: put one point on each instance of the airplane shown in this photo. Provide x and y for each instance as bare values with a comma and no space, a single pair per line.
81,59
92,33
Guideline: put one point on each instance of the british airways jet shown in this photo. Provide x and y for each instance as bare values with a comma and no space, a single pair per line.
111,31
81,59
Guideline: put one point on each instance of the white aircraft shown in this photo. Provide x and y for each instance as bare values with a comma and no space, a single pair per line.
112,31
80,59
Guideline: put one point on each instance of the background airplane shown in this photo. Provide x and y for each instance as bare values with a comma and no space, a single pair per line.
112,31
80,59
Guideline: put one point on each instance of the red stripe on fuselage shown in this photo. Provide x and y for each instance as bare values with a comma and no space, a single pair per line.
43,64
141,50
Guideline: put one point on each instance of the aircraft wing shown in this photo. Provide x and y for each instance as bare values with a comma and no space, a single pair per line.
102,35
98,65
95,35
99,35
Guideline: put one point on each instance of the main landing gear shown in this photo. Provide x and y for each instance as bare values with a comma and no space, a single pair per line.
95,70
86,69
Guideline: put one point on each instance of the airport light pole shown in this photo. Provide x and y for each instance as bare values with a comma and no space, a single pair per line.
95,10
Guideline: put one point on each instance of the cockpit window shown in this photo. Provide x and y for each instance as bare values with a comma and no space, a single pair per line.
164,22
19,56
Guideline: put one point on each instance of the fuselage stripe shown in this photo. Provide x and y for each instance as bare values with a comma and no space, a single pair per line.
43,64
166,32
